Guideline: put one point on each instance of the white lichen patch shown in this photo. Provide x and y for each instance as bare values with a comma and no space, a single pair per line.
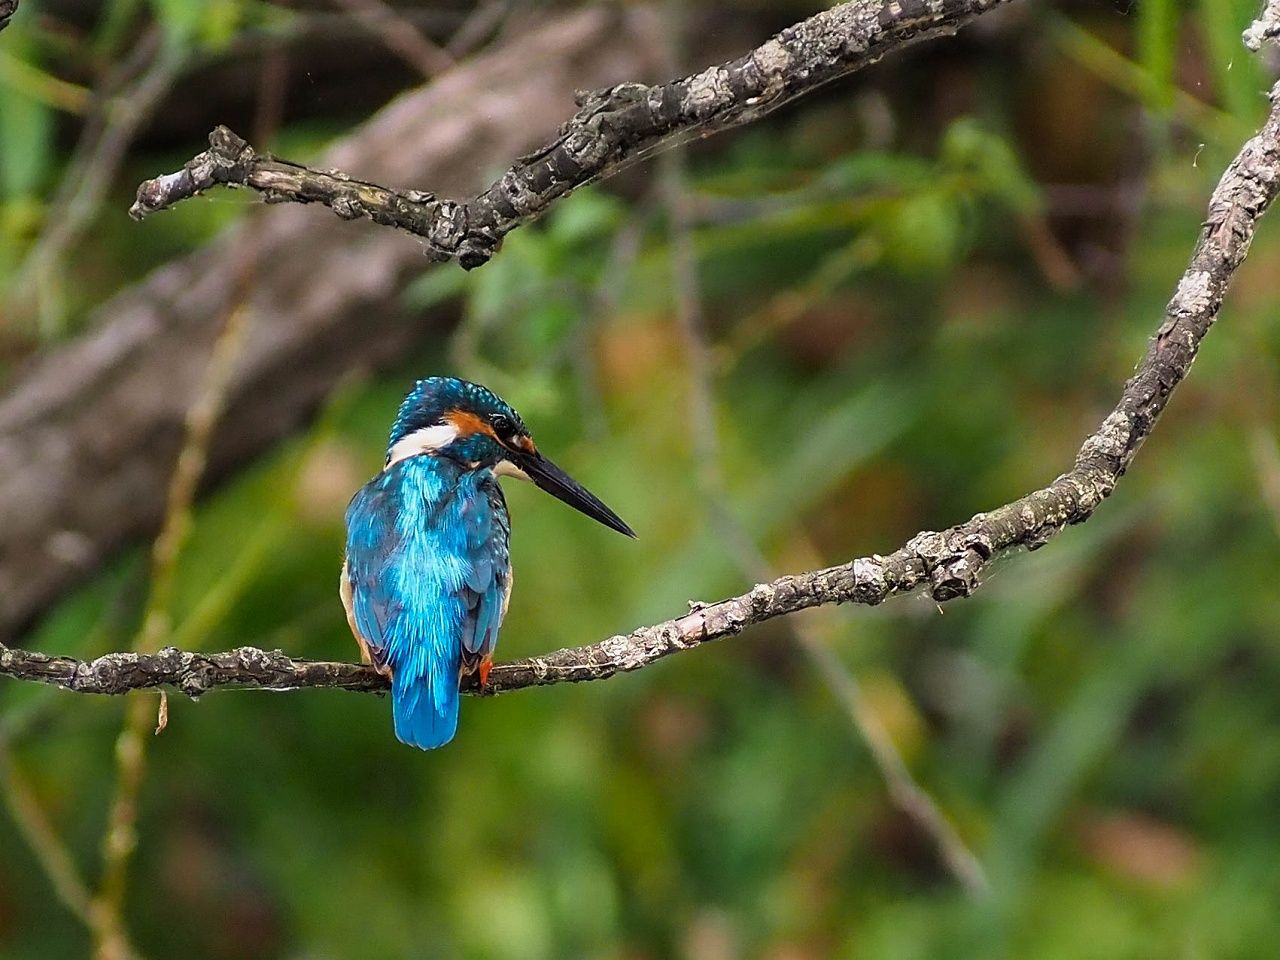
868,571
869,583
772,59
625,652
1195,293
1112,438
707,91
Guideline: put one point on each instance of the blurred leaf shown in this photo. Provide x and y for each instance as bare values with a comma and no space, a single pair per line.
26,122
181,19
435,286
1157,35
591,215
991,163
922,232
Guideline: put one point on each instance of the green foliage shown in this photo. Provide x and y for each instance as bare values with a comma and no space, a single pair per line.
26,141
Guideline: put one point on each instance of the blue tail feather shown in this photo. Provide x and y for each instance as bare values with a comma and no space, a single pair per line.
426,713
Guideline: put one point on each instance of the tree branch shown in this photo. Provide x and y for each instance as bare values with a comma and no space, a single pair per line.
613,128
90,430
7,9
947,563
1266,27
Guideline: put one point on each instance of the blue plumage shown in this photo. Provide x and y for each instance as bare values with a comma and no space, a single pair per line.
427,573
428,565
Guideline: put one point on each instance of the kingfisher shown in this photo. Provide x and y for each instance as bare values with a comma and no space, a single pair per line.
427,575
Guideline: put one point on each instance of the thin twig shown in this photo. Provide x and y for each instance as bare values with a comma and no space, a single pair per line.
903,789
120,837
480,25
117,113
1266,461
602,305
905,792
399,35
119,840
613,129
51,853
49,849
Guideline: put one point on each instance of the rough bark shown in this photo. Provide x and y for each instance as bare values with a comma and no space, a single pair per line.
947,563
89,434
1266,27
613,128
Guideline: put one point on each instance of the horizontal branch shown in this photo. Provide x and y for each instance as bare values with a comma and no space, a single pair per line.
612,129
947,563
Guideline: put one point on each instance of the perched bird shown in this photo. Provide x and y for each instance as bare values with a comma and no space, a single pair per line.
427,575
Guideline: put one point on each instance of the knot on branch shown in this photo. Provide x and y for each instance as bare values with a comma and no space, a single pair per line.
953,560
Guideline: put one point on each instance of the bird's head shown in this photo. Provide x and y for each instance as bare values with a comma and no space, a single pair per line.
474,427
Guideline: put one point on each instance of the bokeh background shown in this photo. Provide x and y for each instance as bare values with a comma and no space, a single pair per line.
918,291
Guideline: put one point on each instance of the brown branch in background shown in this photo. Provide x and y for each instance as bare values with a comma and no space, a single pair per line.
612,129
485,21
946,563
399,35
7,9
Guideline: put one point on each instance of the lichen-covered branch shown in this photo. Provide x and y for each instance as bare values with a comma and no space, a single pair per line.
613,128
1266,27
946,563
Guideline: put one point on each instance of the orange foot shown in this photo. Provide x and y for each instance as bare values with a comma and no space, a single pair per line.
485,666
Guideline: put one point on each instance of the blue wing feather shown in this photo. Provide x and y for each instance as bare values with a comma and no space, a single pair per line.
426,557
490,533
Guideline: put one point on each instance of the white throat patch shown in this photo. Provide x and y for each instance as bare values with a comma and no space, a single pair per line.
426,440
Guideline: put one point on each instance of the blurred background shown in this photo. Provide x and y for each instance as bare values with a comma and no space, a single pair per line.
894,303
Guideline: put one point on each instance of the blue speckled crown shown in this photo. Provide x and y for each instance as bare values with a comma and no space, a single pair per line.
430,399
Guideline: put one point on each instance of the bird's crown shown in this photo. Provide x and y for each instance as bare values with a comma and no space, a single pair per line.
466,407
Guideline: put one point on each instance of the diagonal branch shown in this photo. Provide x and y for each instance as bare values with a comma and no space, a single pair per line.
7,9
947,563
1266,27
612,129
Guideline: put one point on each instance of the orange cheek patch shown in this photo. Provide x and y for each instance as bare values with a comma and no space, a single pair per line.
526,444
467,423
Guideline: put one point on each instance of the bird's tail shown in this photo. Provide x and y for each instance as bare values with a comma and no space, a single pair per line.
425,706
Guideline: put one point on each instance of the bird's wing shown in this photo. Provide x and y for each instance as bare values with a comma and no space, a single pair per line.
372,543
450,571
488,584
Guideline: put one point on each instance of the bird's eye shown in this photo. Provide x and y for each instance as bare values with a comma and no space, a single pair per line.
502,424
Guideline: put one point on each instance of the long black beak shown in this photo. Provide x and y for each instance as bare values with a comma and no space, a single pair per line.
560,485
